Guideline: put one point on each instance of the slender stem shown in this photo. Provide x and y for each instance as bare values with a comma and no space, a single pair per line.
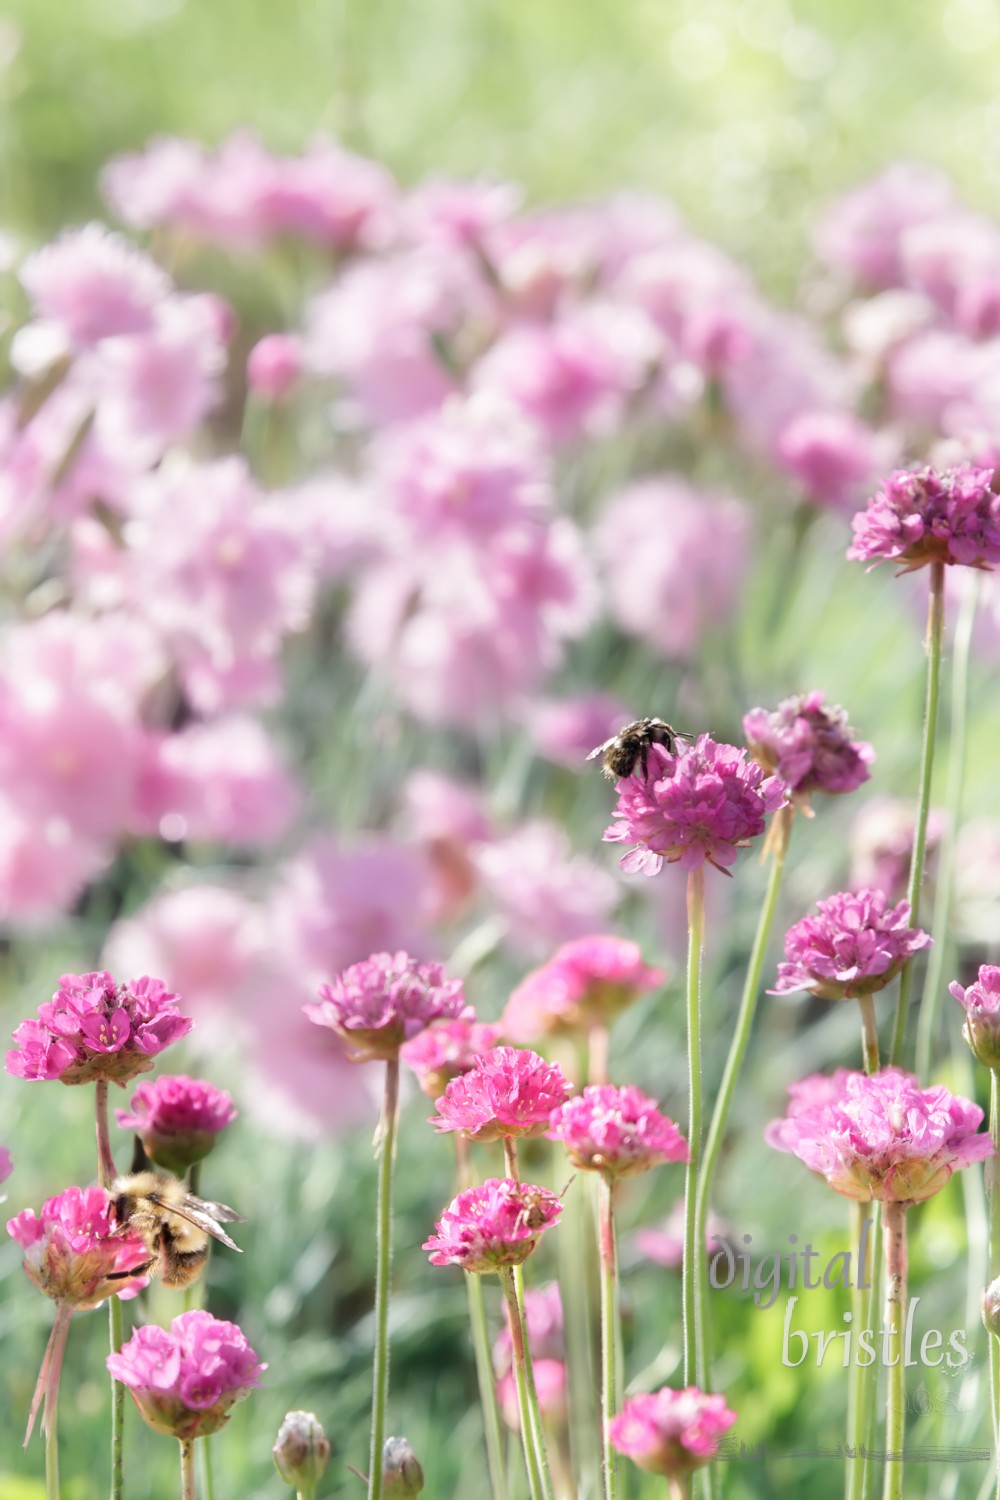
598,1039
106,1170
519,1346
868,1416
574,1245
386,1147
935,631
106,1174
858,1392
954,789
510,1158
487,1387
52,1367
991,1175
207,1471
678,1487
869,1033
693,1272
534,1410
188,1491
610,1330
894,1229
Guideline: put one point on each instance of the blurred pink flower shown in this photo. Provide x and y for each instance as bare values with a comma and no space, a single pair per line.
274,366
664,1242
446,817
881,841
585,983
179,1119
456,212
185,1379
616,1131
831,455
543,1319
446,1049
671,1432
923,515
855,945
544,891
6,1164
551,1388
567,729
91,284
496,1224
377,1005
862,232
699,297
506,1093
809,745
953,261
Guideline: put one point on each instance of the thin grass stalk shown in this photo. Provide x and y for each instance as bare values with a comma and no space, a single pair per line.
693,1270
610,1330
386,1147
991,1175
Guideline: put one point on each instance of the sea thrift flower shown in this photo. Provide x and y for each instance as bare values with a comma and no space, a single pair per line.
586,983
671,1432
301,1451
178,1119
401,1471
924,515
91,284
830,453
701,805
616,1131
881,841
981,1002
274,366
385,1000
493,1225
855,945
546,892
506,1093
185,1379
808,745
447,1049
93,1028
73,1247
880,1136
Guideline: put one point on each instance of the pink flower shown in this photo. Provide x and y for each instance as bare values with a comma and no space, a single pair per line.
93,1028
446,1049
808,745
830,453
981,1002
567,729
882,1136
178,1119
91,284
546,892
385,1000
446,817
616,1131
855,946
274,366
507,1092
551,1388
881,840
862,233
671,1432
664,1243
185,1379
543,1318
74,1246
701,805
925,515
585,983
493,1225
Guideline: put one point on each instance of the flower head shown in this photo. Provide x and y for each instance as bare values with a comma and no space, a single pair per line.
402,1474
94,1028
981,1002
926,515
447,1049
584,984
301,1450
617,1131
854,946
808,745
178,1119
493,1225
385,1000
881,1136
73,1247
185,1379
702,804
671,1432
508,1091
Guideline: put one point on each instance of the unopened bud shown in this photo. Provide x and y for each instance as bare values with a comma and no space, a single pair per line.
991,1308
302,1450
401,1471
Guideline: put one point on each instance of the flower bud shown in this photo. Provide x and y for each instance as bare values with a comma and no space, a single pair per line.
991,1308
401,1471
302,1450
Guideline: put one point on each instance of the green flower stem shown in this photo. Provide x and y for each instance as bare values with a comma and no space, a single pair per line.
935,632
187,1469
598,1040
573,1242
678,1487
520,1349
868,1415
610,1330
534,1411
207,1471
954,789
869,1033
106,1170
106,1174
992,1173
386,1148
693,1272
487,1387
894,1231
861,1388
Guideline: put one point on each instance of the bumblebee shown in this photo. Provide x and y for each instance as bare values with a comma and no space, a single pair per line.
174,1225
620,753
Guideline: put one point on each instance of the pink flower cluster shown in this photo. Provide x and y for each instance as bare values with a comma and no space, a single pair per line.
385,1000
495,1224
881,1136
447,1049
506,1093
981,1003
671,1432
178,1119
185,1379
924,515
808,745
584,984
616,1131
94,1028
854,946
74,1246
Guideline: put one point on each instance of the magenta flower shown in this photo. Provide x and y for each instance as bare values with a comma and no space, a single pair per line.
854,946
73,1247
93,1028
981,1002
447,1049
881,1136
507,1092
925,515
274,366
493,1225
185,1379
617,1131
385,1000
671,1432
584,984
808,745
701,805
178,1119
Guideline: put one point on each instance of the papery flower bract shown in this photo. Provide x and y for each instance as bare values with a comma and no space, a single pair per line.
856,944
808,745
671,1432
493,1225
507,1092
881,1136
616,1131
585,983
385,1000
185,1379
178,1119
926,515
981,1002
94,1028
74,1245
701,805
446,1049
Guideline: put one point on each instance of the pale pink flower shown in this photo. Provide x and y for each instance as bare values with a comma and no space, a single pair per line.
585,983
508,1092
496,1224
831,455
855,945
43,866
786,370
664,1242
74,1246
377,1005
700,298
179,1119
931,378
671,1432
981,1003
862,232
446,817
616,1131
953,261
809,745
185,1379
456,212
551,1388
446,1049
274,366
566,730
91,284
545,892
881,840
543,1320
881,1136
922,516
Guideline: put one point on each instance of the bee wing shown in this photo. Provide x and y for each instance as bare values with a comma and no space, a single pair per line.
601,749
218,1210
201,1215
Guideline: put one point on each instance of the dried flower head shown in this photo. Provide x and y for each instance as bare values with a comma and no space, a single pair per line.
585,983
854,946
616,1131
921,516
185,1379
493,1225
508,1091
808,745
671,1432
447,1049
981,1002
178,1119
73,1247
301,1450
385,1000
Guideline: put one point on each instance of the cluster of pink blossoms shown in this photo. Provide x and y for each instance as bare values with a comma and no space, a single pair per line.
73,1246
671,1432
809,745
506,1093
585,983
616,1131
178,1119
495,1224
378,1004
854,946
447,1049
924,515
